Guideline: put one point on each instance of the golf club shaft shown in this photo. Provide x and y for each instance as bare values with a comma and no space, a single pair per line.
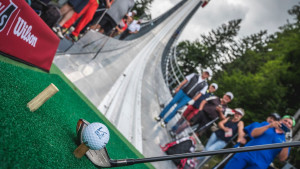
125,162
227,157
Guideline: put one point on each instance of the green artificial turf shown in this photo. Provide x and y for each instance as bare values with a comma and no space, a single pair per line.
46,138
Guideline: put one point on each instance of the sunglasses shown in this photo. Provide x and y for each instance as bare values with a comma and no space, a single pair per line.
239,113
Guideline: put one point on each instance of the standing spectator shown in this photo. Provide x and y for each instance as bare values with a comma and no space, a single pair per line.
130,16
102,8
120,28
192,87
123,25
87,14
209,110
228,128
132,13
192,110
114,15
133,28
67,11
269,133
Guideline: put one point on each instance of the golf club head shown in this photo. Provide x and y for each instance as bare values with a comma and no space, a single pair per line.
100,157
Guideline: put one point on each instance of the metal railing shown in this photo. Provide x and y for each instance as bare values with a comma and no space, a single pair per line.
172,75
170,68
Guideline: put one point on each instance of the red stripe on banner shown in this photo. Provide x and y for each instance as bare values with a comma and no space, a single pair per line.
12,23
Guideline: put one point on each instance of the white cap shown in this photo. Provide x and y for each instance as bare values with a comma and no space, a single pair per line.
134,11
228,111
240,110
215,85
229,94
208,71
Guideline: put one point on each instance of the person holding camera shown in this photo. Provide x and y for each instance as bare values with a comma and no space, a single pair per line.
248,129
267,133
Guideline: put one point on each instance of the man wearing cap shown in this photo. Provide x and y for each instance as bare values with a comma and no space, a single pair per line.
133,28
130,16
273,117
228,128
270,133
192,110
192,87
210,109
114,15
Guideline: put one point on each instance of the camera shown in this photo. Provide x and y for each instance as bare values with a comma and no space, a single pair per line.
284,128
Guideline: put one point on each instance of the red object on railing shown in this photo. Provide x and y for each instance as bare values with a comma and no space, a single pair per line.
205,3
25,36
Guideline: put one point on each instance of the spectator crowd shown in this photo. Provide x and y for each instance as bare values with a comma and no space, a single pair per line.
202,109
76,17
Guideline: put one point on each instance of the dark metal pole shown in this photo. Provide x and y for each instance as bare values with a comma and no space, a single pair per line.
204,153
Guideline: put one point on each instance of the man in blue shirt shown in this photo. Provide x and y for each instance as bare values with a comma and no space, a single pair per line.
272,117
265,133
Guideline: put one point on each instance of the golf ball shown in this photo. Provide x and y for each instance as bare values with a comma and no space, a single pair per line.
95,136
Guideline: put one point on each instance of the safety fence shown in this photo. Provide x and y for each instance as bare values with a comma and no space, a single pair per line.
169,64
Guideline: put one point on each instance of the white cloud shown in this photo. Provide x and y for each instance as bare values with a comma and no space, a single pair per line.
158,7
256,14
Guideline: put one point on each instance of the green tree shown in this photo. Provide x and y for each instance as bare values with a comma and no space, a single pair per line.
217,43
266,68
264,75
264,82
212,51
244,49
190,55
143,9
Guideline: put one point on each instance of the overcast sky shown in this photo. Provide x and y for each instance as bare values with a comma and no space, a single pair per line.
256,15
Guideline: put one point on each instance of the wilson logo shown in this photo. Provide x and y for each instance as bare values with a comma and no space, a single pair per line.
24,30
6,14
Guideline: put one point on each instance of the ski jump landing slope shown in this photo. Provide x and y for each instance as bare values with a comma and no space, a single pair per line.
124,79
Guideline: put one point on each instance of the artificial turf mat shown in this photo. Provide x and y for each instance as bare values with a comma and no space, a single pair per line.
46,138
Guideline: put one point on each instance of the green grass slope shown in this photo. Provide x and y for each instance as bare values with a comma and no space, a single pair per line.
46,138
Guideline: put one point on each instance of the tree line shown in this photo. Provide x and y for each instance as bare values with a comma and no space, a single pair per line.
261,70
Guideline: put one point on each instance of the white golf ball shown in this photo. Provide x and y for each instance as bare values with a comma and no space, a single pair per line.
95,136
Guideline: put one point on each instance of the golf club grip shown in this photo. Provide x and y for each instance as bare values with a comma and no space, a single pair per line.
205,153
